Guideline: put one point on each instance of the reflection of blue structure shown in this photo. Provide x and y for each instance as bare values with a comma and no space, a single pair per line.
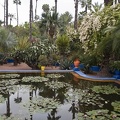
95,68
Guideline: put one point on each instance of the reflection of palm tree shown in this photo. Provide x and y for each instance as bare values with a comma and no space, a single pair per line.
73,109
18,99
8,113
52,116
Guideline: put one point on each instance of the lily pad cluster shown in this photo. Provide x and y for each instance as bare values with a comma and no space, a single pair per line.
9,82
9,75
106,89
116,106
56,84
41,105
34,79
101,114
85,97
8,89
54,75
2,99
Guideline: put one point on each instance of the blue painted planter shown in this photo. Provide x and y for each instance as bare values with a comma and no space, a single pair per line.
95,68
10,60
116,74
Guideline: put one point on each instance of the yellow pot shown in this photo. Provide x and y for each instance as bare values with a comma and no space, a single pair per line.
42,68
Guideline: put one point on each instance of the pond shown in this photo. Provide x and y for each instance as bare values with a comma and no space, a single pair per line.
57,96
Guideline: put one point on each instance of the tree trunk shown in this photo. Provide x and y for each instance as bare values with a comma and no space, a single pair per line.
55,6
36,9
56,19
17,12
6,13
30,21
76,15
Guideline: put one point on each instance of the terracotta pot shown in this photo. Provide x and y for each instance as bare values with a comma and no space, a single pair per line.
76,63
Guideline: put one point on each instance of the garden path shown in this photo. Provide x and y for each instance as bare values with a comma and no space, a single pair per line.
22,66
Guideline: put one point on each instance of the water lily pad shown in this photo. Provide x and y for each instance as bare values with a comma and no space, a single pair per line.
34,79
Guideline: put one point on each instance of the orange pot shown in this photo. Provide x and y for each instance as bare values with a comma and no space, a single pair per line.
76,63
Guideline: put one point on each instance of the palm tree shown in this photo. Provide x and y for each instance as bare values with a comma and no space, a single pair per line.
96,8
86,4
48,21
17,2
11,17
76,14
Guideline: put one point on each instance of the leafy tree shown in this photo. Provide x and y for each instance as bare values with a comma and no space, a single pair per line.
63,21
48,21
62,44
7,40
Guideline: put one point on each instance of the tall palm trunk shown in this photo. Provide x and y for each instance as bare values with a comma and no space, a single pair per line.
56,19
6,13
17,13
55,6
36,9
76,15
30,20
17,2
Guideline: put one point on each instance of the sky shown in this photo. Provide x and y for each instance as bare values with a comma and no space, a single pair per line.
23,9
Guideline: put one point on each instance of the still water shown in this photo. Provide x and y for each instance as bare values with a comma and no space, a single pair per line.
57,96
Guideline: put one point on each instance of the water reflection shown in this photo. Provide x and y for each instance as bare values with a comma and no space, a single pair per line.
52,115
73,109
18,99
62,90
8,113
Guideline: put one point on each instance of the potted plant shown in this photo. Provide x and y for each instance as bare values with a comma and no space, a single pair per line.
115,67
42,62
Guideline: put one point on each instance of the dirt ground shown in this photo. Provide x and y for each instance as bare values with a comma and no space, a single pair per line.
22,66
